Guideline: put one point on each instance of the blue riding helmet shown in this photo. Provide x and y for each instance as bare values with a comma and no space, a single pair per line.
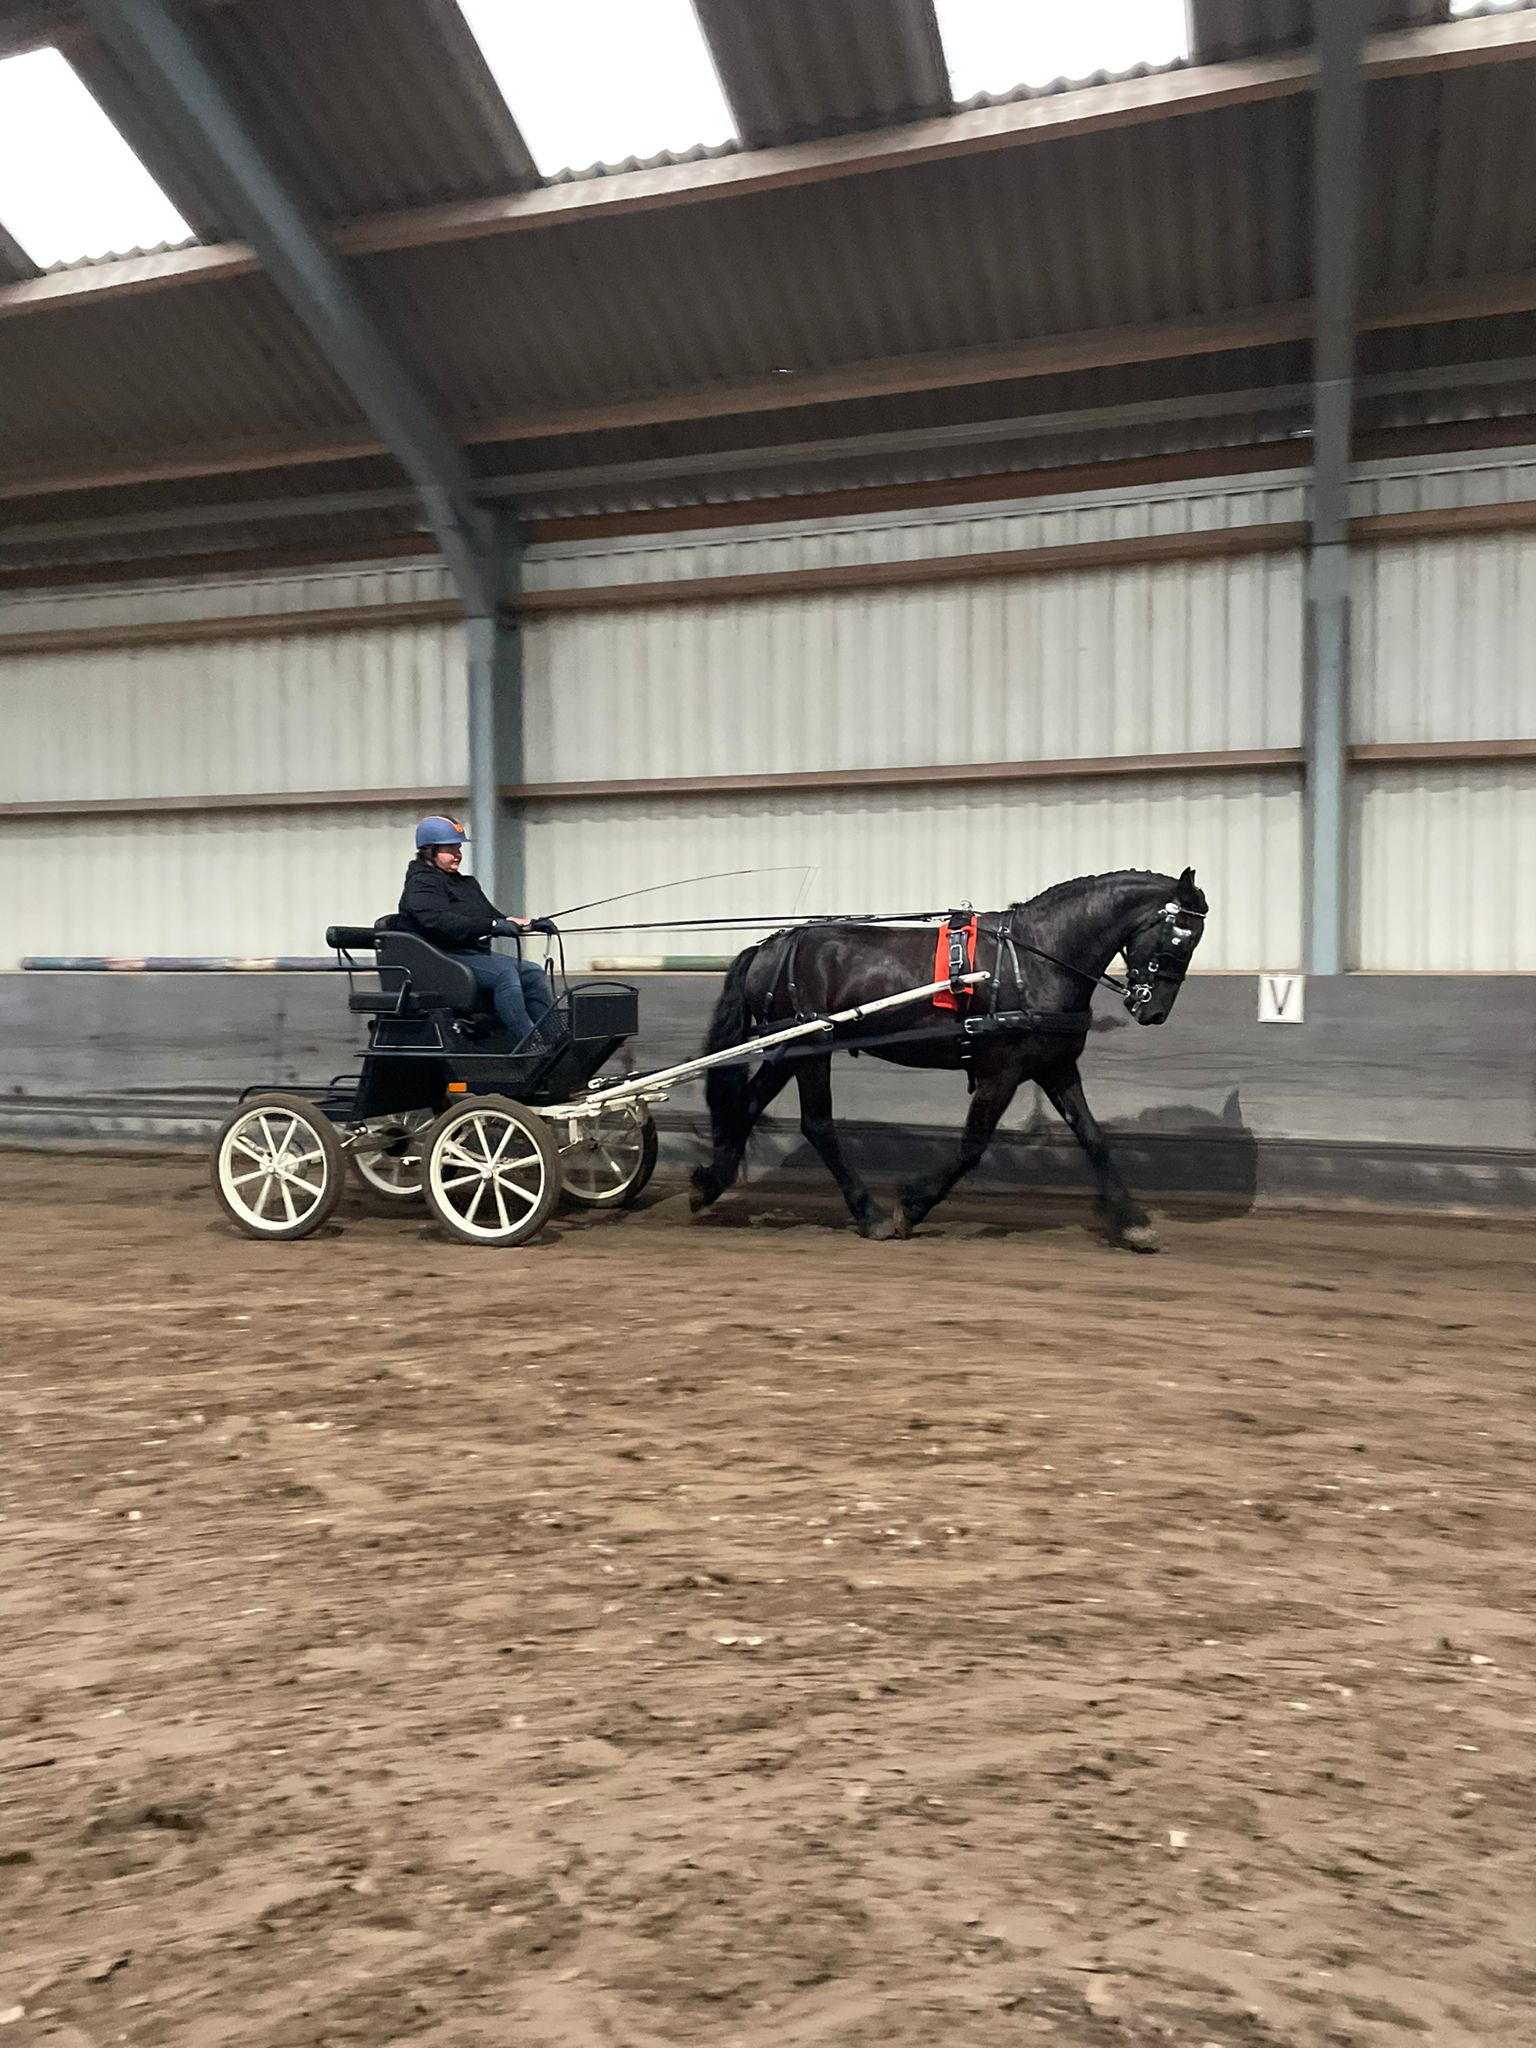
440,832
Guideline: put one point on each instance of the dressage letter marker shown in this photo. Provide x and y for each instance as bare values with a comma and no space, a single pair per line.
1282,998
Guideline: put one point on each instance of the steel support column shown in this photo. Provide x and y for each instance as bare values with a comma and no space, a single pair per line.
1338,157
493,645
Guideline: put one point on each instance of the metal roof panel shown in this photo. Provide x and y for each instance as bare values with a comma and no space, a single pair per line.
157,371
819,67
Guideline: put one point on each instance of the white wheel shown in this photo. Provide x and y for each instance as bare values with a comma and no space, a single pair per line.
277,1167
611,1158
493,1171
386,1159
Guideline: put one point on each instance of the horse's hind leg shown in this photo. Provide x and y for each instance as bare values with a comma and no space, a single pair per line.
820,1131
732,1127
993,1094
1129,1224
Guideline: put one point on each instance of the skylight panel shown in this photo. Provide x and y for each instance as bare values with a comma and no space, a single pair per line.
70,186
993,45
597,81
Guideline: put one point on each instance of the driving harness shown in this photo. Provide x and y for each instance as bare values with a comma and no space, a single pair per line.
955,956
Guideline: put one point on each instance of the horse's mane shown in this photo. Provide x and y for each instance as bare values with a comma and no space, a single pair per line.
1059,891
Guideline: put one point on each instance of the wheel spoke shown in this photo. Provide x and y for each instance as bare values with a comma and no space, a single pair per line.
238,1180
474,1203
453,1150
522,1159
512,1188
275,1148
501,1207
240,1142
291,1211
308,1186
463,1181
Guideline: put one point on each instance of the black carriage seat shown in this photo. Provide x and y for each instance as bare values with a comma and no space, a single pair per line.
415,977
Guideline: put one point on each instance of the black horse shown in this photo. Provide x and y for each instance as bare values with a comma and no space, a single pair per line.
1028,1022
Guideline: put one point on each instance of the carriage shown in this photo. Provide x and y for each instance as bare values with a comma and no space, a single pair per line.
492,1133
444,1107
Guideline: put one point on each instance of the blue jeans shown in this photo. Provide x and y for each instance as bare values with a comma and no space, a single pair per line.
521,990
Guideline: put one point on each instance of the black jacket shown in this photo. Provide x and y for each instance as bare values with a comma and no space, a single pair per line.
453,911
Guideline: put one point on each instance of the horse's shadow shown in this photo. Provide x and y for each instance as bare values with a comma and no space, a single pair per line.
1204,1161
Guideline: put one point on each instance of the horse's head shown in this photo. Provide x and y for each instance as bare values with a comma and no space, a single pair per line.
1158,952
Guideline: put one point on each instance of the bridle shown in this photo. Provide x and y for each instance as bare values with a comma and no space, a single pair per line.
1134,993
1156,969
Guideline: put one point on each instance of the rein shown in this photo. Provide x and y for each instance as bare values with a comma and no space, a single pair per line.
1046,1020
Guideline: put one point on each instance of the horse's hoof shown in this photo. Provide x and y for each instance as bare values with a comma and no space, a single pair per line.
882,1228
701,1196
904,1224
1139,1237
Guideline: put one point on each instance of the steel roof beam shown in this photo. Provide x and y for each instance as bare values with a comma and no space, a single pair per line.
764,457
1087,110
1096,348
152,44
1265,398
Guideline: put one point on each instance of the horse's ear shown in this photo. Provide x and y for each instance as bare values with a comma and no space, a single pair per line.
1191,897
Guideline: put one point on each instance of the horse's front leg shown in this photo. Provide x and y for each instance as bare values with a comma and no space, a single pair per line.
815,1078
1129,1223
994,1092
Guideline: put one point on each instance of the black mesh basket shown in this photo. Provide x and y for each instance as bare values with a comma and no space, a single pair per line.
604,1009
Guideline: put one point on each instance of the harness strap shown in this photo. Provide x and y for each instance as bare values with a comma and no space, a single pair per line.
955,956
1010,1023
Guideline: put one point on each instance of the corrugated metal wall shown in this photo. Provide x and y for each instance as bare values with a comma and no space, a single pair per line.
1181,657
370,708
1196,656
1185,656
1445,640
247,883
1065,521
1445,857
893,849
381,708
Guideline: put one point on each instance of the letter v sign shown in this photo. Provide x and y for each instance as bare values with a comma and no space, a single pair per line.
1282,998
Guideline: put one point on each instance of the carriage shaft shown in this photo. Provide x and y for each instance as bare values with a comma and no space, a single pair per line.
650,1087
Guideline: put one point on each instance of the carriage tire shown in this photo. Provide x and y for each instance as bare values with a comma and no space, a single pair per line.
397,1187
280,1206
581,1167
511,1151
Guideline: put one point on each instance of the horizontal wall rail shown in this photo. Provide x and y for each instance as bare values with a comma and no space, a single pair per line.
1074,768
247,626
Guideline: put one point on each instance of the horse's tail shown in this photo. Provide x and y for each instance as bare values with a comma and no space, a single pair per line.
730,1024
726,1087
